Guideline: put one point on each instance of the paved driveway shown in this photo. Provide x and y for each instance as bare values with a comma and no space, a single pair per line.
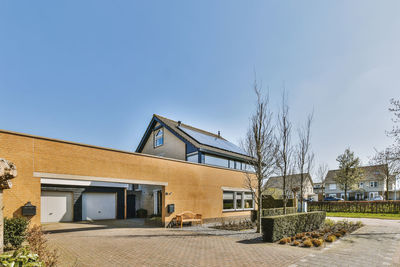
131,243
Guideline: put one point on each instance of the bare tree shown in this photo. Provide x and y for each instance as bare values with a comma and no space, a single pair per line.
321,175
390,164
285,150
395,132
260,145
304,155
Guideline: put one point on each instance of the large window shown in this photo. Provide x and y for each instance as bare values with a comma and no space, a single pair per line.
237,200
211,160
332,186
159,138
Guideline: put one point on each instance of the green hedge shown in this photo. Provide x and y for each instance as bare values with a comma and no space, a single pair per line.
269,202
276,227
277,211
389,206
14,231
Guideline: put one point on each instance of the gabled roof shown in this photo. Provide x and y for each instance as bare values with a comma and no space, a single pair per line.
203,140
291,180
367,170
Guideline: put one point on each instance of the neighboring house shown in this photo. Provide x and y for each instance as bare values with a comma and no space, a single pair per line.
292,185
174,139
319,189
372,184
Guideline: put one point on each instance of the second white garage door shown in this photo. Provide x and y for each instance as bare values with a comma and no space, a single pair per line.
98,206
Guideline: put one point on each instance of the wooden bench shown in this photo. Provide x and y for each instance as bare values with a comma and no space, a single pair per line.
188,216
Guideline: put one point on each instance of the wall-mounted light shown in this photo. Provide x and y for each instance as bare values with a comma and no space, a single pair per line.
168,194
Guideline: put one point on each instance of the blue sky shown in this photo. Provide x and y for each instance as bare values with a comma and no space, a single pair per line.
95,71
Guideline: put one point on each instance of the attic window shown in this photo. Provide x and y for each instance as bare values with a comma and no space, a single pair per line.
159,138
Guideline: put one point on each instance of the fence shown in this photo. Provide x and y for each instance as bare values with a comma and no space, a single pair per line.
390,206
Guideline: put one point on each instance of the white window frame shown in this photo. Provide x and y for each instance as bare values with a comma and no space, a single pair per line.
235,193
372,184
332,186
361,185
157,137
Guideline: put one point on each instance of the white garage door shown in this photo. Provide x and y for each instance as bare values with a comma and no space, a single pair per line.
98,206
56,206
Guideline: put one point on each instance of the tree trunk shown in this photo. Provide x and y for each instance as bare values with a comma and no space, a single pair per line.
387,187
259,208
345,193
301,192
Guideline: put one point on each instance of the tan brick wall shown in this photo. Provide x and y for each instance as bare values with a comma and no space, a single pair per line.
191,186
19,150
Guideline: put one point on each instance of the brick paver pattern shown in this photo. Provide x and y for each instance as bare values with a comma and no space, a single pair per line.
376,244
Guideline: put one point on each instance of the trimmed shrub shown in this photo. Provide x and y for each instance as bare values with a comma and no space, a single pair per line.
317,242
295,243
276,227
141,213
330,238
277,211
15,231
283,241
307,243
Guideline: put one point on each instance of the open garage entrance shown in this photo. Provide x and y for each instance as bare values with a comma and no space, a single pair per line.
67,200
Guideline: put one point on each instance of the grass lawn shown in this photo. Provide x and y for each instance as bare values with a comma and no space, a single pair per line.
364,215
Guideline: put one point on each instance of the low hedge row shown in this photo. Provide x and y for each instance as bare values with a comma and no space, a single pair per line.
389,206
275,228
277,211
269,202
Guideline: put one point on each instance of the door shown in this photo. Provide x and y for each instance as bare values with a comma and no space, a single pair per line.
98,206
130,206
56,206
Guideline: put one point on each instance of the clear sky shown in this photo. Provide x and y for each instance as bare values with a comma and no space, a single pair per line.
95,71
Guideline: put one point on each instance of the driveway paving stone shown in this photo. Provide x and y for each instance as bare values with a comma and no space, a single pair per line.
132,243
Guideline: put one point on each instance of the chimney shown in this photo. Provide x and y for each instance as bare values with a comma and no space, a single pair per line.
219,134
179,123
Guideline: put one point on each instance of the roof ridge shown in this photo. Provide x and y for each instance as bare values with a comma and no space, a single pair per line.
191,127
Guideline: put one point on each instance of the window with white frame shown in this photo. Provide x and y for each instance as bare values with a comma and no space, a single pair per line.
332,186
159,138
361,185
228,203
373,184
237,200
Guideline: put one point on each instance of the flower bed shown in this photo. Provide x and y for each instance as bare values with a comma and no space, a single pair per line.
235,225
330,232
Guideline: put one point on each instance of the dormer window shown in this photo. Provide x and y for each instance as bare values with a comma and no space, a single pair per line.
159,138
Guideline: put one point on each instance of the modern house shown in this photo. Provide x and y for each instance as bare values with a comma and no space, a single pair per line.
371,185
67,181
174,139
293,183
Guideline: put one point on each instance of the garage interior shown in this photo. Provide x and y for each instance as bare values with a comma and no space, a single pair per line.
64,200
